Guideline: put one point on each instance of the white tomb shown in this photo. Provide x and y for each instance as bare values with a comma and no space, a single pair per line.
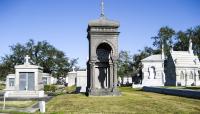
153,71
71,78
78,79
81,81
26,82
183,68
126,80
48,79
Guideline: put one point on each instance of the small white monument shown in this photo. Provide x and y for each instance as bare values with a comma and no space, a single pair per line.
81,81
126,80
48,79
77,78
71,77
152,71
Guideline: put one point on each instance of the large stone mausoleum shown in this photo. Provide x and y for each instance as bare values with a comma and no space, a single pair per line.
103,54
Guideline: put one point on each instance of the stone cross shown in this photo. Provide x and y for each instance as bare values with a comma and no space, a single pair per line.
27,59
102,8
73,68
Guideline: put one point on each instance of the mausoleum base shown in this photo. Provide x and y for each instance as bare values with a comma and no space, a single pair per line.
104,92
25,94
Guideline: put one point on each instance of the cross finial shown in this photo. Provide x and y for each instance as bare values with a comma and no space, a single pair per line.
190,46
73,68
27,59
102,8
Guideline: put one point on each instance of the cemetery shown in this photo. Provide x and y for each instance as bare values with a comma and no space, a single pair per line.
43,80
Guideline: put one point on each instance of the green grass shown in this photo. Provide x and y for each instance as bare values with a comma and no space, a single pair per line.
18,104
70,89
131,101
12,112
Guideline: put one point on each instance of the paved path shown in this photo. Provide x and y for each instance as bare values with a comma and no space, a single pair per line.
31,109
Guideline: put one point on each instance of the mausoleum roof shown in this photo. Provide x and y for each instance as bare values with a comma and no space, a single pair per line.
28,66
185,59
157,57
103,21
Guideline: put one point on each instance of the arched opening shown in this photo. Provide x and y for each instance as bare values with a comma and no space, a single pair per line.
152,72
182,75
191,75
104,52
102,70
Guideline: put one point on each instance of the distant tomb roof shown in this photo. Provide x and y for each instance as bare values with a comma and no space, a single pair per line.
157,57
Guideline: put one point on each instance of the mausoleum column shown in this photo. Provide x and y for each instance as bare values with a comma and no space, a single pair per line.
115,74
92,75
111,75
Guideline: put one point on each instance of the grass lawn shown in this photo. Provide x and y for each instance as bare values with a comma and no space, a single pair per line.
18,104
131,101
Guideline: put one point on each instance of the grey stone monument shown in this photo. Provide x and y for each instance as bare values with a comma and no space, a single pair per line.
103,54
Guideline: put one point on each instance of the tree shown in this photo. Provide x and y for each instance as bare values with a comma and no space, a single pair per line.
165,36
124,64
196,40
42,53
182,40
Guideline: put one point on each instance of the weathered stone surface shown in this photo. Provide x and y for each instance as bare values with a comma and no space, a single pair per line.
104,92
103,55
103,21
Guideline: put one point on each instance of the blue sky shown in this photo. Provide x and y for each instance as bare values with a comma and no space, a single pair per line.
63,23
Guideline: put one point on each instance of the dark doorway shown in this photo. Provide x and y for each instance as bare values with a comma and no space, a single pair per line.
104,52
